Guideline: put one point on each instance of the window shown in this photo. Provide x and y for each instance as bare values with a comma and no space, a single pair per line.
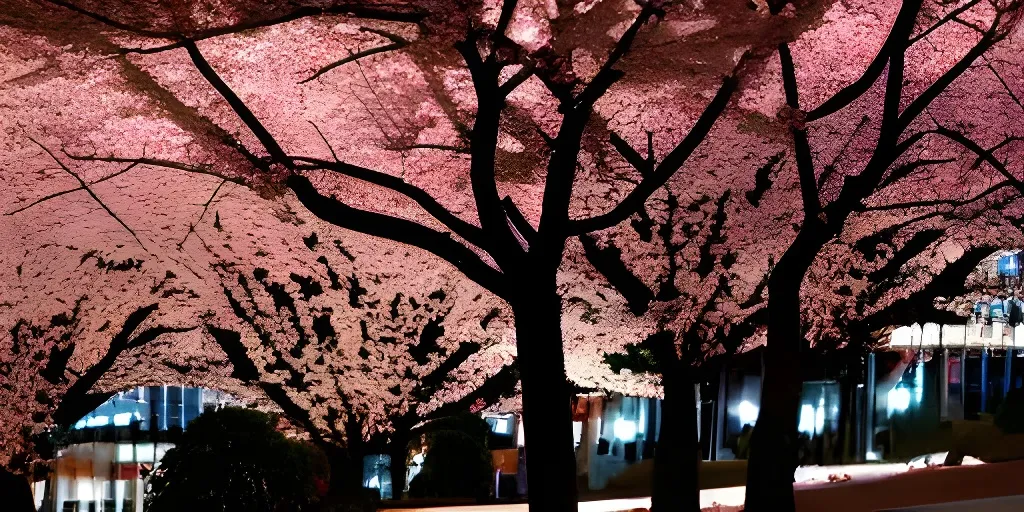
125,453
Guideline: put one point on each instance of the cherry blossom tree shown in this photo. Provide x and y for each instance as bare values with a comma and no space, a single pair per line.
519,262
53,370
696,317
359,362
497,137
832,194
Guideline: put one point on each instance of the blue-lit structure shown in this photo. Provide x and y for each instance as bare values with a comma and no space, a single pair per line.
102,461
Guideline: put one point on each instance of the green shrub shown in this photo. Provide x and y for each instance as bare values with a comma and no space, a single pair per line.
457,463
235,460
1010,415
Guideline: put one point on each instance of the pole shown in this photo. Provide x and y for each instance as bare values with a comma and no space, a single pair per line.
943,383
720,412
869,406
984,380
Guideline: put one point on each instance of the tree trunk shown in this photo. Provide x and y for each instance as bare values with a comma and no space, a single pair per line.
773,445
346,471
547,413
15,492
676,480
398,450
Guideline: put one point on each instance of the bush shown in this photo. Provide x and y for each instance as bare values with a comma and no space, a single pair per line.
457,463
234,459
1010,415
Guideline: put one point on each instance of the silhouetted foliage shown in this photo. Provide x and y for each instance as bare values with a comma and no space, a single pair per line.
1010,416
235,460
457,462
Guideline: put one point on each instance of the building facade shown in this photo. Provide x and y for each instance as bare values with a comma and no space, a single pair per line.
103,460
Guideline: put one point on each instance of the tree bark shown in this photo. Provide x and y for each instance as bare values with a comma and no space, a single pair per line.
676,480
773,445
16,492
346,471
398,450
547,414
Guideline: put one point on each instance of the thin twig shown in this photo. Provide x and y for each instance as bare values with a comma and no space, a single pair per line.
397,43
85,186
76,189
206,206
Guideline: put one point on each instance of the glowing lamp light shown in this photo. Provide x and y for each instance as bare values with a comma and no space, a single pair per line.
747,412
624,430
899,400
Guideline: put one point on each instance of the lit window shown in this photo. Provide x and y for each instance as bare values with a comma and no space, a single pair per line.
819,417
144,452
122,419
125,453
624,430
577,432
806,419
84,490
97,421
80,424
501,426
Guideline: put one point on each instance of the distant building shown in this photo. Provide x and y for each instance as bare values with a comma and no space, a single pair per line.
102,461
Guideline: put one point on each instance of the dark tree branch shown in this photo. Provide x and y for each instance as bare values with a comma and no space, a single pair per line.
518,221
608,75
907,169
1006,86
79,398
945,19
483,143
802,148
608,261
499,385
982,153
246,371
919,306
515,81
1005,142
388,12
894,42
397,43
472,234
942,202
914,247
400,230
645,166
661,174
919,104
241,110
